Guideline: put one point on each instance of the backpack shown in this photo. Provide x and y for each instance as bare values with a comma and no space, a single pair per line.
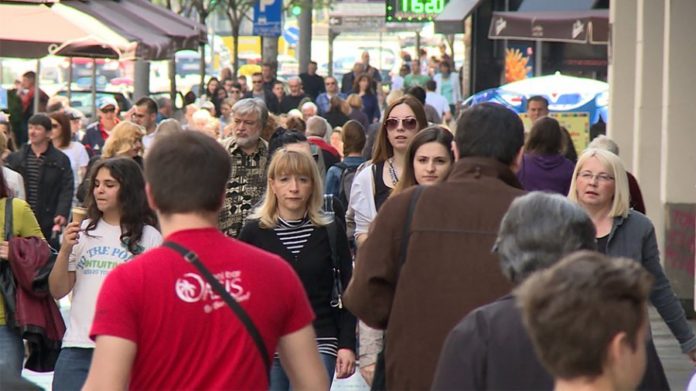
345,182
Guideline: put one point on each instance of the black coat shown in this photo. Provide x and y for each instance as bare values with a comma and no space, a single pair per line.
56,186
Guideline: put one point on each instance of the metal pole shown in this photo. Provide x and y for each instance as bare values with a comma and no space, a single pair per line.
332,38
37,88
418,46
537,59
94,89
305,45
70,75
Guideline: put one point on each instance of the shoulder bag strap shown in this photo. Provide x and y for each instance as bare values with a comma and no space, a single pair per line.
337,297
406,234
192,258
8,218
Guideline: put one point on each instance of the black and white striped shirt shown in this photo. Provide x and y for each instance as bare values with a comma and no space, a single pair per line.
294,233
31,179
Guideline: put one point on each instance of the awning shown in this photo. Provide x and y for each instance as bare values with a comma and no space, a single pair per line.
591,26
451,19
159,32
555,5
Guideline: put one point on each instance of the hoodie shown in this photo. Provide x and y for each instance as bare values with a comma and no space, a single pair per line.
546,172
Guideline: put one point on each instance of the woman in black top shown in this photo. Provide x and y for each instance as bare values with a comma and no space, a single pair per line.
290,223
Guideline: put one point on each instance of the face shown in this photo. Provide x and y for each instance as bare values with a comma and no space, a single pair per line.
143,118
247,129
278,90
415,67
257,83
38,134
212,86
331,85
242,82
225,110
75,125
444,69
56,129
363,83
595,184
308,112
26,82
401,126
5,130
431,163
108,113
228,85
235,93
292,192
312,68
536,110
295,87
365,58
106,191
136,149
221,93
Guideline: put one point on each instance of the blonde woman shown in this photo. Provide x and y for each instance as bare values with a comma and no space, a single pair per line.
290,223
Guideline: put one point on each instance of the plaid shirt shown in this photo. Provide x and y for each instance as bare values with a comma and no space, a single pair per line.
245,188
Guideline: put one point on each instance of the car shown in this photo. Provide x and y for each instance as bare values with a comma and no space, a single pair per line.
82,100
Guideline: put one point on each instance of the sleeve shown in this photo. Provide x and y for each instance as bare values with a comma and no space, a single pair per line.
24,221
456,87
247,234
371,343
662,296
151,238
117,305
438,80
462,363
347,321
371,291
331,185
362,201
67,187
82,156
21,190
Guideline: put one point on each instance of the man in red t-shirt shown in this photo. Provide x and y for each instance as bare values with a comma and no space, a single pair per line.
159,325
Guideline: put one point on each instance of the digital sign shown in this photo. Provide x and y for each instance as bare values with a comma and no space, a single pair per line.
413,11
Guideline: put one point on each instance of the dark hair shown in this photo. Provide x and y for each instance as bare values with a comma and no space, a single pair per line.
353,137
313,63
428,135
383,150
149,103
55,106
42,120
335,103
295,124
132,202
187,172
430,85
356,84
538,98
31,75
417,92
285,138
257,74
545,138
585,288
65,130
189,98
207,84
489,130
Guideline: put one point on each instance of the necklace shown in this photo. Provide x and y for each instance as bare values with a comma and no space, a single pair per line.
392,172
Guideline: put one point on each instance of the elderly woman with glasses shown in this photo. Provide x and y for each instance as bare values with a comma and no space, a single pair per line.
600,186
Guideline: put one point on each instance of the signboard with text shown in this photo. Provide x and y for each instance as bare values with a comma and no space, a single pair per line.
268,18
414,10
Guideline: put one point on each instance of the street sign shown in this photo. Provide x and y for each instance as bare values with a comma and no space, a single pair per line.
267,18
354,24
414,10
291,35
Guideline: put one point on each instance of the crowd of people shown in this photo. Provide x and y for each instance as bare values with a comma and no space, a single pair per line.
344,233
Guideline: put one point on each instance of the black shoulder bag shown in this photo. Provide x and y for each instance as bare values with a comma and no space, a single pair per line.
192,258
379,381
337,290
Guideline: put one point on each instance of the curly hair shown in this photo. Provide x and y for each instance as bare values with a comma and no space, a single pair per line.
122,139
134,210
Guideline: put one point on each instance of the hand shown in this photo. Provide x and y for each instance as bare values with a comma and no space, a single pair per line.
692,355
345,363
4,251
60,220
70,236
368,373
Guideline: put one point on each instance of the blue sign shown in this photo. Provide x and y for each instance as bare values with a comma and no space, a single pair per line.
291,35
267,18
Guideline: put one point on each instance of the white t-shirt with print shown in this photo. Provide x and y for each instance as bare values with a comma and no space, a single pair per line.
92,258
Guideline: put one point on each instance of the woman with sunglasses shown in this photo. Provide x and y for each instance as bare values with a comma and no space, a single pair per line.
290,223
403,119
600,186
429,159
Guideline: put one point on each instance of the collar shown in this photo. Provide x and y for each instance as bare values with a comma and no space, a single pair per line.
477,167
261,148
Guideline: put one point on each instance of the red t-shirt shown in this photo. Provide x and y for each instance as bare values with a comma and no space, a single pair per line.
186,336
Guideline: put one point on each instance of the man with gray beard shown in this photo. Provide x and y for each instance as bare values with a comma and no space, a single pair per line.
249,155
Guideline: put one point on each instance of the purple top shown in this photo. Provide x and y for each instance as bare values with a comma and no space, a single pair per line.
546,172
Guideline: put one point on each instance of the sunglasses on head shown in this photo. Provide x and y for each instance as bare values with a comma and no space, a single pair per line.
409,123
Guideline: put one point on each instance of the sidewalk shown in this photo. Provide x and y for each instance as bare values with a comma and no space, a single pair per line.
678,367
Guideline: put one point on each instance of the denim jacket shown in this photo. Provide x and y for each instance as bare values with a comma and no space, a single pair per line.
634,237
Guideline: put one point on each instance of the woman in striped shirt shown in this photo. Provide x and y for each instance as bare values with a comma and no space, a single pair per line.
290,223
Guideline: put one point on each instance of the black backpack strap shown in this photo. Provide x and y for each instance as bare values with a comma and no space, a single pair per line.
192,258
406,233
337,291
8,218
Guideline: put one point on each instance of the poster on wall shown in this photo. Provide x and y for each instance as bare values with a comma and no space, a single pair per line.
519,61
578,125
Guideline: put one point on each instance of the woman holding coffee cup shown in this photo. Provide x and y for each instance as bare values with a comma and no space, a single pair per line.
119,226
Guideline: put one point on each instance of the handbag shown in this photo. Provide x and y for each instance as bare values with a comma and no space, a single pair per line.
192,258
337,288
379,381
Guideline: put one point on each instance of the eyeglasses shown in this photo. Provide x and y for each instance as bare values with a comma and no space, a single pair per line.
601,177
409,123
108,110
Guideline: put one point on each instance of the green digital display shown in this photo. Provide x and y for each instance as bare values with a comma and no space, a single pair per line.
414,11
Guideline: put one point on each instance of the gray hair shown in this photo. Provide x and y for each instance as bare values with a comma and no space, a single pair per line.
252,105
167,127
316,126
538,230
605,143
311,105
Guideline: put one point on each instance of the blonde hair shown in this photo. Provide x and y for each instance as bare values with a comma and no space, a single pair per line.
122,139
286,162
615,168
